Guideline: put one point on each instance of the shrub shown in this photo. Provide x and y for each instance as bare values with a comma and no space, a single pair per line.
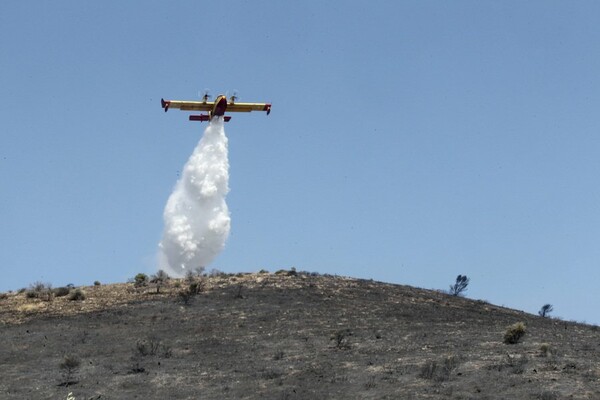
263,271
238,292
439,372
545,350
185,296
69,366
196,287
341,338
545,310
216,272
428,369
140,280
39,286
547,395
159,279
517,363
97,283
370,384
61,291
460,285
514,333
39,290
190,276
77,295
153,347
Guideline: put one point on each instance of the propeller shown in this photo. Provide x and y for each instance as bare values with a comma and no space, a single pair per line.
234,96
205,95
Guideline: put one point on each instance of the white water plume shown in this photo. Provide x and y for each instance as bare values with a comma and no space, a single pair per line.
196,216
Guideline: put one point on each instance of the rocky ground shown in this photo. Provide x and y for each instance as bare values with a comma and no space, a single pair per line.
285,336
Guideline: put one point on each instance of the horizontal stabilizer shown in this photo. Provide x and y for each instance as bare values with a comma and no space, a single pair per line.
204,117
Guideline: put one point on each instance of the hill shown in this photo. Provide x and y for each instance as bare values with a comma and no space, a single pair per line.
286,336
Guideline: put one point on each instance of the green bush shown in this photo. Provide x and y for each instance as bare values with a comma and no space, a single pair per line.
140,280
514,333
77,295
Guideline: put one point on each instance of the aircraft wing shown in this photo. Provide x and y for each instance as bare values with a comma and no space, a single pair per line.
188,105
247,107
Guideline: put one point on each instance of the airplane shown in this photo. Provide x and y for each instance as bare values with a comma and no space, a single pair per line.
215,108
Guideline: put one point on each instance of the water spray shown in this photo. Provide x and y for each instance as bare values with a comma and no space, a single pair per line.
196,217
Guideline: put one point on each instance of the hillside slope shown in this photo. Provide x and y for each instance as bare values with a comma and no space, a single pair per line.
267,336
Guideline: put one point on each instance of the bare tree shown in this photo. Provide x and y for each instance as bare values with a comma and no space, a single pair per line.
460,286
545,310
159,279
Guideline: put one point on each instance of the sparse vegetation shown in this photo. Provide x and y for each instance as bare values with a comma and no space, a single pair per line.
191,276
460,286
370,384
152,347
514,333
69,367
3,296
215,272
545,350
517,363
159,279
548,395
439,372
195,287
39,290
278,355
359,338
185,296
340,338
545,310
239,292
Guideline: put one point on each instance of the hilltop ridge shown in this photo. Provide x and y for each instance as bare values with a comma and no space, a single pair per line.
287,336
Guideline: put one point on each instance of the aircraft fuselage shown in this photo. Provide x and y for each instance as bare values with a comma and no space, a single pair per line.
220,106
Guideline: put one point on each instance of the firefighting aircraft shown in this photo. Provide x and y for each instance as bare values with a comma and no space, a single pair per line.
215,108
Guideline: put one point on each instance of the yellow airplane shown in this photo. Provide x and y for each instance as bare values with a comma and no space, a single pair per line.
215,108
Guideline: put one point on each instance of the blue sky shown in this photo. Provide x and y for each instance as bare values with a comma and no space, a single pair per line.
409,141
